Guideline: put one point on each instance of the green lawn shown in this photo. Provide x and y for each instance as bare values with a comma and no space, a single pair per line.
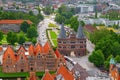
20,74
42,73
55,42
53,34
4,41
52,25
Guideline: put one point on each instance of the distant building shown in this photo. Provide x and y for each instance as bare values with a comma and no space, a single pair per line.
114,70
38,58
90,28
12,25
111,9
84,8
74,44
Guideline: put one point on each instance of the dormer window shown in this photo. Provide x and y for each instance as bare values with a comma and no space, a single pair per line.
8,55
22,57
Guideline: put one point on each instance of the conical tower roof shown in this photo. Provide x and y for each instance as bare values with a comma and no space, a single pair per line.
80,33
62,32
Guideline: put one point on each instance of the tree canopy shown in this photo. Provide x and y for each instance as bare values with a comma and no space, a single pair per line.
32,32
97,58
12,38
24,26
108,42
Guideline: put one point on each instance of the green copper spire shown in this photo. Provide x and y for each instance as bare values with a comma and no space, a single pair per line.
112,61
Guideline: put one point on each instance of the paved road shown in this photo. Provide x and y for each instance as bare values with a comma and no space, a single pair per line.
41,28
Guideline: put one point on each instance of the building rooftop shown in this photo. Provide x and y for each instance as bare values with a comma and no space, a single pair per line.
80,33
14,21
112,61
62,32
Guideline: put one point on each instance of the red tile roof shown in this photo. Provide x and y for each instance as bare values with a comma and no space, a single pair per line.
33,78
42,49
65,73
58,53
14,21
47,76
1,49
46,47
23,55
90,28
31,50
21,49
38,49
9,51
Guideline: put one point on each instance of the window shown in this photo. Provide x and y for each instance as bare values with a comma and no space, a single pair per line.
59,46
8,55
64,46
81,46
81,41
64,42
7,66
21,57
72,42
59,42
73,46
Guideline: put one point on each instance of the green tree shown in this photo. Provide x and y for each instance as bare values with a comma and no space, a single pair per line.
74,23
97,58
1,35
96,14
32,32
98,35
62,9
40,16
82,23
24,26
31,12
34,41
60,19
12,38
21,39
117,58
48,10
107,62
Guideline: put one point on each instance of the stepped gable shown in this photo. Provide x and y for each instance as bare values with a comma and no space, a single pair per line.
62,32
21,49
46,47
65,73
57,53
22,54
31,50
80,33
47,76
38,48
9,52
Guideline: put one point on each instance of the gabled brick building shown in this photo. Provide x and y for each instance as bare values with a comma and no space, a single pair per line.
37,58
74,44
